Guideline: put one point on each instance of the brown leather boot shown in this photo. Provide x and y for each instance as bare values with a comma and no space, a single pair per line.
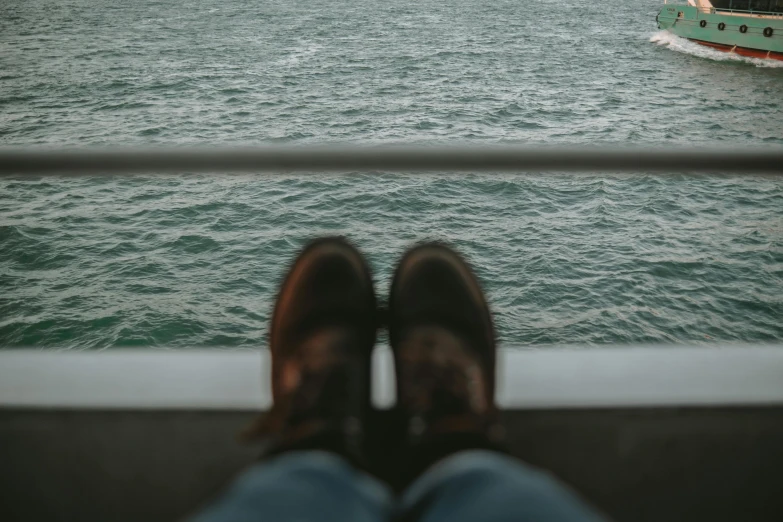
443,341
322,334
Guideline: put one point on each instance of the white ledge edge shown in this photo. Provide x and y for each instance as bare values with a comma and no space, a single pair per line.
552,378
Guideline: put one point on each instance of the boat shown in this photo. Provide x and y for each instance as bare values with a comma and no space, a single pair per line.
752,28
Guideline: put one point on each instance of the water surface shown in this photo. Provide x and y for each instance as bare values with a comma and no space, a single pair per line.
96,262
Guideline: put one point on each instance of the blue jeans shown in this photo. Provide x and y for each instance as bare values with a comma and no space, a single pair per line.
467,486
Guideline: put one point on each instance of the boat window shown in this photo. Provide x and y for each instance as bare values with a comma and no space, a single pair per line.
740,5
773,6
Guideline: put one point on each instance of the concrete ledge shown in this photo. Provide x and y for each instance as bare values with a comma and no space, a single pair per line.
645,434
652,464
239,380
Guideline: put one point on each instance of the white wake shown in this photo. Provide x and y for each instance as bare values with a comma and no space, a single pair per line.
683,45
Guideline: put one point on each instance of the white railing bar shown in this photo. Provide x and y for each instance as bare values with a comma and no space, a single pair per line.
318,159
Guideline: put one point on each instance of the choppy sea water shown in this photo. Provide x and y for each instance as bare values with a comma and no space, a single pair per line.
97,262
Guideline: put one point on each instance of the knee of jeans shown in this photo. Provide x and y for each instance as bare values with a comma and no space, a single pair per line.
500,482
479,463
319,469
286,467
478,467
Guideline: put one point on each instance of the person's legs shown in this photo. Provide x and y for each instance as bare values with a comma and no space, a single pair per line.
440,329
441,334
491,487
321,337
452,464
302,486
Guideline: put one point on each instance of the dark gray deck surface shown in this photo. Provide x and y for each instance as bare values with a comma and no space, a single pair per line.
668,464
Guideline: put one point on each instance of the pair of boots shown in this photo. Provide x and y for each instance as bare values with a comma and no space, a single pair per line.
322,335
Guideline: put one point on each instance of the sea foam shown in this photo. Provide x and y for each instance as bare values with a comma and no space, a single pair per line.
683,45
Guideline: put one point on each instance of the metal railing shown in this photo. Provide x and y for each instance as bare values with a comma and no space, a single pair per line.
319,159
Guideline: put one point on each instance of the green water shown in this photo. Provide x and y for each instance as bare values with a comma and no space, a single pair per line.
94,262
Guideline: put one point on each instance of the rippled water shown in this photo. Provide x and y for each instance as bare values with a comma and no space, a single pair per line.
97,262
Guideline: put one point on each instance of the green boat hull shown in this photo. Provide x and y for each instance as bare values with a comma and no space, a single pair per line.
760,37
